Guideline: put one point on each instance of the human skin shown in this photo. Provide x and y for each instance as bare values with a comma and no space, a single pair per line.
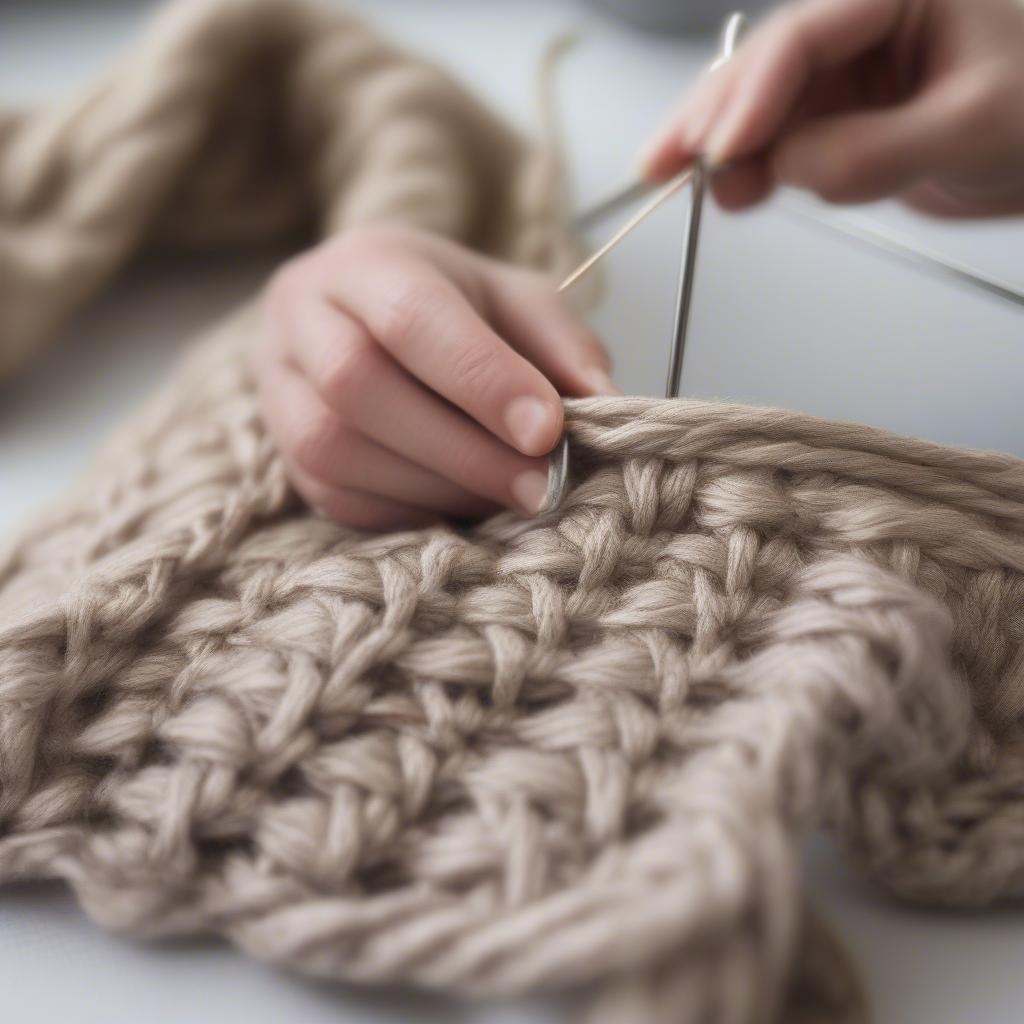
406,379
858,100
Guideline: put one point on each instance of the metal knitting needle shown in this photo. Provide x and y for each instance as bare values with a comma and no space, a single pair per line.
641,215
558,463
558,476
635,189
919,257
687,268
923,259
623,195
731,34
699,173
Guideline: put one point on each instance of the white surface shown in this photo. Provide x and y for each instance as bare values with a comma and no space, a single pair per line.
784,315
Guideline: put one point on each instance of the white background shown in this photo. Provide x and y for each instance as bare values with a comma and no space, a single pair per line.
785,314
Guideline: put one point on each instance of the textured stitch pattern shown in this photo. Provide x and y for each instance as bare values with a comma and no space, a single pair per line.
580,751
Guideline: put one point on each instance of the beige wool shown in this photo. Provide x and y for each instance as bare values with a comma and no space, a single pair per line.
575,752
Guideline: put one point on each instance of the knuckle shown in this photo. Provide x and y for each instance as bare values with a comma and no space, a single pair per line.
316,442
349,369
472,367
410,304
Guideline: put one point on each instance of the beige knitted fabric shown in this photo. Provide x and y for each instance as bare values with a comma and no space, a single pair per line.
580,751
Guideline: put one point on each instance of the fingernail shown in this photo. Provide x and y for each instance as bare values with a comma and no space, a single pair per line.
531,422
601,383
529,490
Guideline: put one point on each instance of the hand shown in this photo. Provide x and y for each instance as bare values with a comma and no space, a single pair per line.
405,379
861,99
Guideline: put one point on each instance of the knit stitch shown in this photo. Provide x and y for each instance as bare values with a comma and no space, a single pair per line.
577,751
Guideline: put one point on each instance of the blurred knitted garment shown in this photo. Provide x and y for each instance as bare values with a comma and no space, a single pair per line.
576,752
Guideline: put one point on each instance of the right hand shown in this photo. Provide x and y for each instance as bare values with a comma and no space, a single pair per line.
405,379
862,99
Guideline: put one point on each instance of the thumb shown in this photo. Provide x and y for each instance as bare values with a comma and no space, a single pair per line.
867,155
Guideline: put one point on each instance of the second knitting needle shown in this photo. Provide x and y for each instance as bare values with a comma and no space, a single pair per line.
558,463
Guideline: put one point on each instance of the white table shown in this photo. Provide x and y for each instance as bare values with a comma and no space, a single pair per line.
784,315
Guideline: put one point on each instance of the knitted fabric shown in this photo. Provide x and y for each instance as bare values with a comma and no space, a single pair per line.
578,751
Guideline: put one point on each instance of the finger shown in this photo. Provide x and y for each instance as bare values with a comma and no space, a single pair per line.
680,139
526,310
429,327
355,508
327,450
869,155
773,68
372,395
742,185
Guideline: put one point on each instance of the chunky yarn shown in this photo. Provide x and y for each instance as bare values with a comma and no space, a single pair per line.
575,752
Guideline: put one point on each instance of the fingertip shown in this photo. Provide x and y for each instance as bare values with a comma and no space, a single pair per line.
660,159
534,424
